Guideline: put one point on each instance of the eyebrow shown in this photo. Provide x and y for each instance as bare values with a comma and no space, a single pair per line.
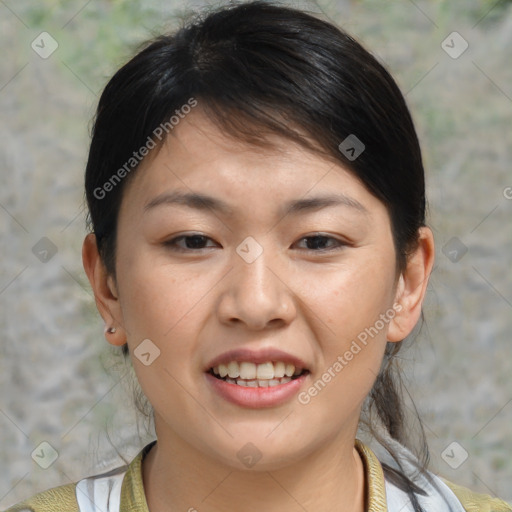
205,202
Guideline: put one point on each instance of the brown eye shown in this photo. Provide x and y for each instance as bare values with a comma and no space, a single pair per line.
188,242
318,243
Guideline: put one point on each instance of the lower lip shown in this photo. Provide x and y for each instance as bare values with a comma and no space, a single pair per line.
256,398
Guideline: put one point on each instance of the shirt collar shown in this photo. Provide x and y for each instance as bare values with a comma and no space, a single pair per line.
133,498
374,479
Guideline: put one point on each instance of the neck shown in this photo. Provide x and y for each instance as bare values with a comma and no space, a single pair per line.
178,477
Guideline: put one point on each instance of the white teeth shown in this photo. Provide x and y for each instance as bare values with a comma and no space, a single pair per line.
256,383
266,374
289,370
279,369
233,369
265,371
223,370
262,383
247,371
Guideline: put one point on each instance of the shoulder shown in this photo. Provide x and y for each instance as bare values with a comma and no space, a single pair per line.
57,499
105,491
438,494
474,502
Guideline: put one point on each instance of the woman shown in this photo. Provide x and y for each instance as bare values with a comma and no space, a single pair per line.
258,248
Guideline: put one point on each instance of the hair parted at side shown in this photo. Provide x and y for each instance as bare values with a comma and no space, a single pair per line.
259,68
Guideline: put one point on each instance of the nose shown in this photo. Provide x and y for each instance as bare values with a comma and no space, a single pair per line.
257,294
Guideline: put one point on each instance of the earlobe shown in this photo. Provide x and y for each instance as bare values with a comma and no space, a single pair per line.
412,287
105,292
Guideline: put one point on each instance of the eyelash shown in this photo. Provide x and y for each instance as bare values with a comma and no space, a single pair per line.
173,243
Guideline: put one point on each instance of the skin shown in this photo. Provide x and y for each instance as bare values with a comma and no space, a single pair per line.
197,304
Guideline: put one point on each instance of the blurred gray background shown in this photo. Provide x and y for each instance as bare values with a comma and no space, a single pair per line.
60,380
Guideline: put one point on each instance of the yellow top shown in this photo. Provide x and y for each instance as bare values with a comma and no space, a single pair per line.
132,497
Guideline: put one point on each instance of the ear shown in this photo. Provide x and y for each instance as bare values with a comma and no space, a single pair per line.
105,292
412,286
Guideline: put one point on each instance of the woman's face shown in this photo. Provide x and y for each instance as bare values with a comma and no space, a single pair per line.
278,274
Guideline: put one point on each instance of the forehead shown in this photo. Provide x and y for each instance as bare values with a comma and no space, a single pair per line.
201,162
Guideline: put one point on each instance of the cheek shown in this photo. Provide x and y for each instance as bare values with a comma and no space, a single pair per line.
351,305
350,298
158,299
354,304
162,303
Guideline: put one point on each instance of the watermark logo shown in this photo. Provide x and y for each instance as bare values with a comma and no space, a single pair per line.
44,45
146,352
249,250
454,45
249,455
44,455
351,147
454,249
44,250
454,455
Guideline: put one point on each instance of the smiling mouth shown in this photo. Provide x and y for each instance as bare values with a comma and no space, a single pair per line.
257,376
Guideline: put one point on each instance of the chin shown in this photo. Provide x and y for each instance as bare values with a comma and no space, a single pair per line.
257,452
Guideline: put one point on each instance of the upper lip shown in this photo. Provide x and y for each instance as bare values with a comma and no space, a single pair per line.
256,357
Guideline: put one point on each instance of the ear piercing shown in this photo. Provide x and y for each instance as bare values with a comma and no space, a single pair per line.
110,330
